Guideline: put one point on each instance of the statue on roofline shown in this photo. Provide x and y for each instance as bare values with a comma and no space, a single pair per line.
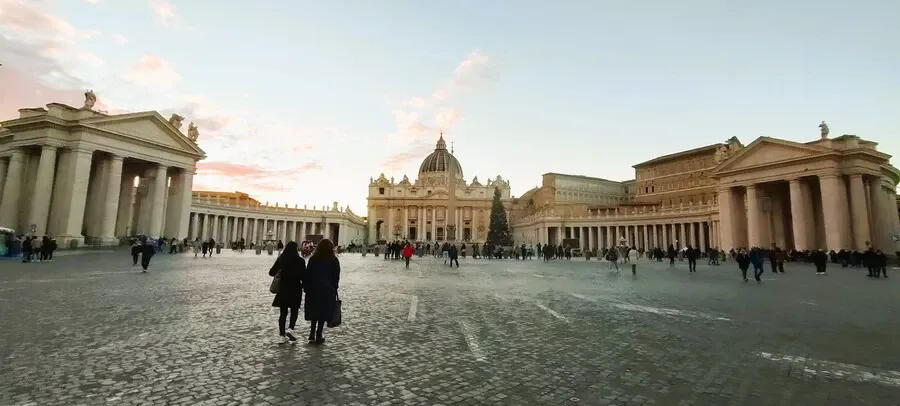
89,100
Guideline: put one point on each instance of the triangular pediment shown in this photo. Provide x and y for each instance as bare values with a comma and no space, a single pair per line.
149,127
438,195
766,151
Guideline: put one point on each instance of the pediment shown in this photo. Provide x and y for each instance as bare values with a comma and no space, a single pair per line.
769,151
438,195
148,127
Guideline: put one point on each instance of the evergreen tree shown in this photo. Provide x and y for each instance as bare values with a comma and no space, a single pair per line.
498,233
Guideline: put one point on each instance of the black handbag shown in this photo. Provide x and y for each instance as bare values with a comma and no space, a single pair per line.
275,286
336,316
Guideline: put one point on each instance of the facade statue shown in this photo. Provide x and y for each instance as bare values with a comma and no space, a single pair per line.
823,130
193,132
392,180
721,153
175,120
89,100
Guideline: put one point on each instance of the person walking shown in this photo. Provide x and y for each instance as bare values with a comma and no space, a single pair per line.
135,250
691,255
453,254
148,248
290,268
320,282
743,262
756,258
407,253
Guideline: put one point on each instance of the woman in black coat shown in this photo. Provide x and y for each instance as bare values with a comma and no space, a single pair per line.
321,284
290,290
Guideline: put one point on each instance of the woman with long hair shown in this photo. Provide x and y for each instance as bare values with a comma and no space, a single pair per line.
291,268
323,272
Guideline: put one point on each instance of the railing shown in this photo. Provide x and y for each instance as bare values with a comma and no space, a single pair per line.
632,214
295,211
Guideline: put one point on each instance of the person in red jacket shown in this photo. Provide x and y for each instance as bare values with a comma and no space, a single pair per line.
407,253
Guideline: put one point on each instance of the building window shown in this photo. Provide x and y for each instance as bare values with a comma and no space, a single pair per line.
381,190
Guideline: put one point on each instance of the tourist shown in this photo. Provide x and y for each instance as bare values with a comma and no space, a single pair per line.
743,261
776,259
51,246
279,247
212,246
453,255
135,250
205,247
149,247
820,260
173,246
670,253
756,258
26,249
691,255
36,248
613,257
195,246
407,253
320,282
290,268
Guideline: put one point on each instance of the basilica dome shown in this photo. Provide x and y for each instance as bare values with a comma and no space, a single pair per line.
441,161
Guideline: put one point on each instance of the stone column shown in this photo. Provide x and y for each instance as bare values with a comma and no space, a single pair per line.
725,228
12,189
73,197
111,205
43,190
182,202
799,216
703,236
880,236
609,237
195,224
835,212
859,212
253,231
4,163
890,196
692,236
126,203
214,234
157,198
753,217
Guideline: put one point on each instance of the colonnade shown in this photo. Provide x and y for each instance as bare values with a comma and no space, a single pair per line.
697,234
421,223
830,211
233,228
81,195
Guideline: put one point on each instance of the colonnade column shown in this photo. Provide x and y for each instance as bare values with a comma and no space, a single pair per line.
859,212
110,210
703,236
12,189
4,164
726,211
43,189
157,199
74,194
834,210
798,216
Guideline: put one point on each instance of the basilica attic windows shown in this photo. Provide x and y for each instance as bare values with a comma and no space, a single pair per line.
381,190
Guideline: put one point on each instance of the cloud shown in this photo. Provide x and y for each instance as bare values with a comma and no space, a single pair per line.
220,175
152,72
119,39
92,1
424,117
24,18
165,13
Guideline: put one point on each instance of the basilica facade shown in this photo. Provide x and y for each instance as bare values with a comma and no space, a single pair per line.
439,205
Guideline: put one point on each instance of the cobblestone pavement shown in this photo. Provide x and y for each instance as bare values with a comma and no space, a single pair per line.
90,329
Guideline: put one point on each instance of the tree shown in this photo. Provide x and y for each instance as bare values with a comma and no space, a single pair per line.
498,233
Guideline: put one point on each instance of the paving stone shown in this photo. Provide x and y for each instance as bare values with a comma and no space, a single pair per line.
91,329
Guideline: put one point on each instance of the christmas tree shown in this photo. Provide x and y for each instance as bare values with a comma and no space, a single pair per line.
498,233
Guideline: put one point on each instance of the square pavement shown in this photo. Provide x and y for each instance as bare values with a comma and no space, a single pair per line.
91,329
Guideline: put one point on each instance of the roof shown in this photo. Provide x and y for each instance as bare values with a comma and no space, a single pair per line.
664,158
581,177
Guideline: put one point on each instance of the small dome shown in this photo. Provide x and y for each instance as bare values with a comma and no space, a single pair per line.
441,160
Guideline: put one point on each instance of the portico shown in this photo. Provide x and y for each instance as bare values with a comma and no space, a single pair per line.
85,177
820,195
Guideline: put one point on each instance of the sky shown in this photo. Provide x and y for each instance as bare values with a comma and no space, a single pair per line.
302,102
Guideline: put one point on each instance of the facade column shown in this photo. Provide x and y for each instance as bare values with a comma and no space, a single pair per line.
859,212
183,199
703,236
157,197
799,216
890,196
753,217
195,224
880,236
4,164
74,195
126,203
835,210
725,228
253,231
111,203
12,189
691,236
609,237
214,234
43,190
